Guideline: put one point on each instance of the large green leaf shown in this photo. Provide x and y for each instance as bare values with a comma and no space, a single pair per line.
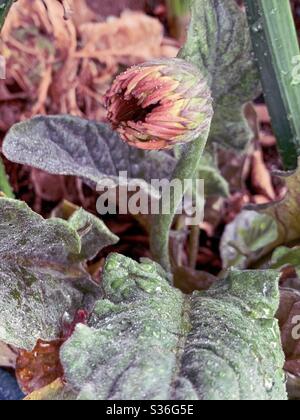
147,340
5,5
219,44
68,145
42,279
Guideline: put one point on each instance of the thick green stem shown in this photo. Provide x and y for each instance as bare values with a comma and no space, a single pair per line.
4,184
277,53
162,223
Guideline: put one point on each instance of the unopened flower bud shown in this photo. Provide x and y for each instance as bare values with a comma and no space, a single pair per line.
159,104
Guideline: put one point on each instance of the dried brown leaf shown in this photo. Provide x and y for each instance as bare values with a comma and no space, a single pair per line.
261,177
39,367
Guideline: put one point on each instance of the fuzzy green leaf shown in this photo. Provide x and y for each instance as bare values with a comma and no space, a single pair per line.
147,340
41,275
93,232
68,145
219,44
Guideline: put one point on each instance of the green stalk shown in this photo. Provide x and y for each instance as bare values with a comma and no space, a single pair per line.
162,223
5,187
277,52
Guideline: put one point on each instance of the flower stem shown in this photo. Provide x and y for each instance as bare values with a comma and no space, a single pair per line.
162,223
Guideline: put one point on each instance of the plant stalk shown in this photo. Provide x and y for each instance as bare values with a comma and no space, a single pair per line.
162,223
5,187
277,53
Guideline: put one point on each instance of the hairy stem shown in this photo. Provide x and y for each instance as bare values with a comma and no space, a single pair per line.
162,223
4,184
277,53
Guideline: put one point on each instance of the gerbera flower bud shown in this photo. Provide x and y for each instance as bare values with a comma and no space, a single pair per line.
159,104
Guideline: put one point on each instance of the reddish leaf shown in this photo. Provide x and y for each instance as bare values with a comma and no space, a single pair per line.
39,367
